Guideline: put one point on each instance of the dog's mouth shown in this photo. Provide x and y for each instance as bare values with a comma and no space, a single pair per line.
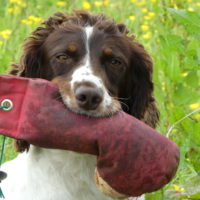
101,110
87,100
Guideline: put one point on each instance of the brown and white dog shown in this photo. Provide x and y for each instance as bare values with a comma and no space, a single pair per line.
99,69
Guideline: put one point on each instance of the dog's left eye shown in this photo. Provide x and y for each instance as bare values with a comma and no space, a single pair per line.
115,62
62,57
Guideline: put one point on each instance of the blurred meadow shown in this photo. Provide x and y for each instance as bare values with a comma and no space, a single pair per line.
170,31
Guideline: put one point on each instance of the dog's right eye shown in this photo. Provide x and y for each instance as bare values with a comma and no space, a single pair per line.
62,57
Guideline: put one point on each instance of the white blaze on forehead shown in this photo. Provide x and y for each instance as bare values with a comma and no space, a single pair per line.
84,73
88,31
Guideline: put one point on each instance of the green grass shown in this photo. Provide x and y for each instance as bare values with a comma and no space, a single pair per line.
171,34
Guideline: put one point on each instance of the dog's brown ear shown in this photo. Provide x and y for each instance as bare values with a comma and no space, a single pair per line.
30,66
140,100
31,62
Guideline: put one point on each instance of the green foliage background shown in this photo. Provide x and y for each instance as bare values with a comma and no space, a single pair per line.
170,31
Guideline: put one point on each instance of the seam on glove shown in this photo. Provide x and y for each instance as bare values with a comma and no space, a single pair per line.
105,188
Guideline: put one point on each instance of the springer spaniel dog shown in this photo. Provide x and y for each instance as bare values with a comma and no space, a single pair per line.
99,69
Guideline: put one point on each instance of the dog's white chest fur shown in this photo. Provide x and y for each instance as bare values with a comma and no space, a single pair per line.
43,174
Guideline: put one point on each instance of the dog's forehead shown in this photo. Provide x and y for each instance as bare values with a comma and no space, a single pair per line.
85,38
62,36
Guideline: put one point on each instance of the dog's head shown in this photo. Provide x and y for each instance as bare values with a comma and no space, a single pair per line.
96,65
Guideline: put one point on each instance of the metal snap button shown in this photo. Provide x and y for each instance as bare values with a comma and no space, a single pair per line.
7,104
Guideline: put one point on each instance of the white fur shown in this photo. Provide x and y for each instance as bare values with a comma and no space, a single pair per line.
43,174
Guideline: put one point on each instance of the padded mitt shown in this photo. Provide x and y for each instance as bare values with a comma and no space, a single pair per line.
132,158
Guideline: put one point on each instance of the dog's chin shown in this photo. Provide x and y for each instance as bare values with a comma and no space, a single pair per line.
93,113
99,112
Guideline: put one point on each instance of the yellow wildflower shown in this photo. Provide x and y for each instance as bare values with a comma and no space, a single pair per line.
163,88
98,3
198,4
38,19
11,10
8,32
132,18
194,106
184,74
5,34
152,14
15,9
163,83
60,3
105,2
1,43
34,19
14,1
31,17
21,4
31,20
147,35
197,116
154,1
145,27
86,5
18,2
178,188
189,1
163,19
27,22
144,10
190,9
147,17
133,1
175,6
141,3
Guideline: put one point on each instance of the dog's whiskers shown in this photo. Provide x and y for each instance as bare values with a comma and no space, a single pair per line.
119,98
125,105
116,98
58,97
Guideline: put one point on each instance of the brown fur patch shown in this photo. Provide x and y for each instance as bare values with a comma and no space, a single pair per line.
72,48
107,51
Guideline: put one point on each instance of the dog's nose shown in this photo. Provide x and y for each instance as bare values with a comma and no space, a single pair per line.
88,98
